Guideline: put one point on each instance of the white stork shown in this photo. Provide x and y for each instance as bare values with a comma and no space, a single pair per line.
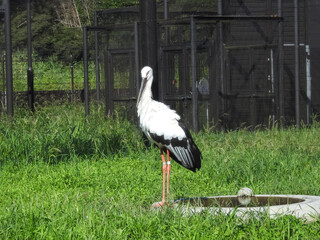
161,125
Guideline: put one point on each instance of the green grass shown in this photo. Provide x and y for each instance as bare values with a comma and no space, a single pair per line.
51,75
66,177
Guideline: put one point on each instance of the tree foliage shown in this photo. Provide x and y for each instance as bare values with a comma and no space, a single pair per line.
56,25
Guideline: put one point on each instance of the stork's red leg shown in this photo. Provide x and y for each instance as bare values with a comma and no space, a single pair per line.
168,171
164,170
166,166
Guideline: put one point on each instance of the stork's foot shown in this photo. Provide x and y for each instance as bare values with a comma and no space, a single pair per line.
160,205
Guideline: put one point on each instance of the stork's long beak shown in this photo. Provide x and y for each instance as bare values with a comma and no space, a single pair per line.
143,84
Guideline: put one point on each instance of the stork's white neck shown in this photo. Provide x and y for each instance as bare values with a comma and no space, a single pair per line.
146,96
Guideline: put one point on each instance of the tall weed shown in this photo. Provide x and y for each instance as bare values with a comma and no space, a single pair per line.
62,132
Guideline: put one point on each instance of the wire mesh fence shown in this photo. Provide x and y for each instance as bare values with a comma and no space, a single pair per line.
51,77
226,63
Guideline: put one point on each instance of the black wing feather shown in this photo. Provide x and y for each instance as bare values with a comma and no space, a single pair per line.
185,151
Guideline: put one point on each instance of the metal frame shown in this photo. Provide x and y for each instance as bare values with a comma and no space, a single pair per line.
218,86
192,21
109,98
221,83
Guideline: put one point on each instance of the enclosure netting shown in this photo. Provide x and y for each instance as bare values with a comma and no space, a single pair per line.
240,91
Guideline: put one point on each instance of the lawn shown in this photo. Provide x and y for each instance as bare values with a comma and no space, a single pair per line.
50,74
66,177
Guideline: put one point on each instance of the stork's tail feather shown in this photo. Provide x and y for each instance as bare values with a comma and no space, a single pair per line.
186,153
188,158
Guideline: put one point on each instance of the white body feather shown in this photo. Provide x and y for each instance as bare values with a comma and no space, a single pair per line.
158,118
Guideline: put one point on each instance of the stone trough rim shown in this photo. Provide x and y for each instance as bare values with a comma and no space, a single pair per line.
308,209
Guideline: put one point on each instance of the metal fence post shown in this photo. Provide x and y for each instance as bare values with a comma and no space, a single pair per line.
194,76
221,58
96,46
30,73
85,69
296,55
149,51
3,99
72,77
280,100
8,58
309,88
136,56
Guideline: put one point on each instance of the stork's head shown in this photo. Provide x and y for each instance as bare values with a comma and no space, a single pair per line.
146,72
147,78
